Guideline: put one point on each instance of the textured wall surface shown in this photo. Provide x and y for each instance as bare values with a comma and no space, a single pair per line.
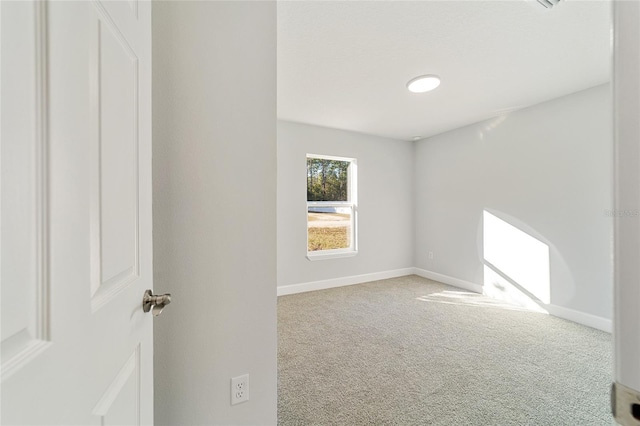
215,209
385,206
545,170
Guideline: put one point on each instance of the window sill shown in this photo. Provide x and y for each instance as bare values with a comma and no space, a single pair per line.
313,256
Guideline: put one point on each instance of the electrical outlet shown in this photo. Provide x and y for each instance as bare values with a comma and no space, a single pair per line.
430,255
239,389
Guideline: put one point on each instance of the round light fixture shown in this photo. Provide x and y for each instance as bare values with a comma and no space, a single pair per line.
424,83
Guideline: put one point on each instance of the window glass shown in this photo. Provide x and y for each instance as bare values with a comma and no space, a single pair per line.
330,204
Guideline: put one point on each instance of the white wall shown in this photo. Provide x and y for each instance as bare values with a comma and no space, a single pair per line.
385,206
545,170
215,209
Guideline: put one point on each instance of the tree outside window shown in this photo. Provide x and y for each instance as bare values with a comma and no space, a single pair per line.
330,205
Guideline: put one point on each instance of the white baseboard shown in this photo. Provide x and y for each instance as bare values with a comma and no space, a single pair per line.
340,282
583,318
558,311
446,279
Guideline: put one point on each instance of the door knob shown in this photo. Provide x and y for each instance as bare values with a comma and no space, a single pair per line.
158,302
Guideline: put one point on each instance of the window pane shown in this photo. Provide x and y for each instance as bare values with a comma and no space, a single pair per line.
329,228
327,180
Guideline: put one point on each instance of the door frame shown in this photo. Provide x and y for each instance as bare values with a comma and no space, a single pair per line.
626,256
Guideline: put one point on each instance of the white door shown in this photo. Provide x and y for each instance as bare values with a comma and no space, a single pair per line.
626,92
76,213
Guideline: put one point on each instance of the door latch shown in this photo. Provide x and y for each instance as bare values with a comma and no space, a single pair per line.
158,302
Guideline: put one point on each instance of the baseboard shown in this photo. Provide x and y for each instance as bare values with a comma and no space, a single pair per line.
344,281
446,279
583,318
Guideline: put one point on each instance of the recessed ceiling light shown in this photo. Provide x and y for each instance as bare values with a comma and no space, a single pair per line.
417,138
424,83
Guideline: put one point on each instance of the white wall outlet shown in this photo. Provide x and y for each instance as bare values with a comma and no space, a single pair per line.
239,389
430,254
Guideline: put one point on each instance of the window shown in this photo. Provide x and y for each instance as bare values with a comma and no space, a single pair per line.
331,207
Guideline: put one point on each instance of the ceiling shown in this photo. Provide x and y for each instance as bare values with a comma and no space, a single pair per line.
345,64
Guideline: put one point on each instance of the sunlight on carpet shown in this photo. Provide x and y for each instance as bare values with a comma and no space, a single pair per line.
410,351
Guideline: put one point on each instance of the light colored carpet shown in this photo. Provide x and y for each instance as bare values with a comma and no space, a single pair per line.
410,351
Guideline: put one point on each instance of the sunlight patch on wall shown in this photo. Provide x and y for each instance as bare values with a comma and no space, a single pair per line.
516,264
491,126
497,287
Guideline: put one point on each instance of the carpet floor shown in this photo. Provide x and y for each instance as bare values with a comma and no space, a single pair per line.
411,351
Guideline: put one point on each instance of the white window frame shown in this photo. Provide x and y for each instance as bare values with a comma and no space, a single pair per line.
352,195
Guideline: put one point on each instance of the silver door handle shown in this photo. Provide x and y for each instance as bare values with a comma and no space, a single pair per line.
158,302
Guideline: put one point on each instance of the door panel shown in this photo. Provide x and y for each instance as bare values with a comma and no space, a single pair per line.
119,404
25,313
76,213
114,221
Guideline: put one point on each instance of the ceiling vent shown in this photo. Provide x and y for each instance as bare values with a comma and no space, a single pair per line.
548,3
